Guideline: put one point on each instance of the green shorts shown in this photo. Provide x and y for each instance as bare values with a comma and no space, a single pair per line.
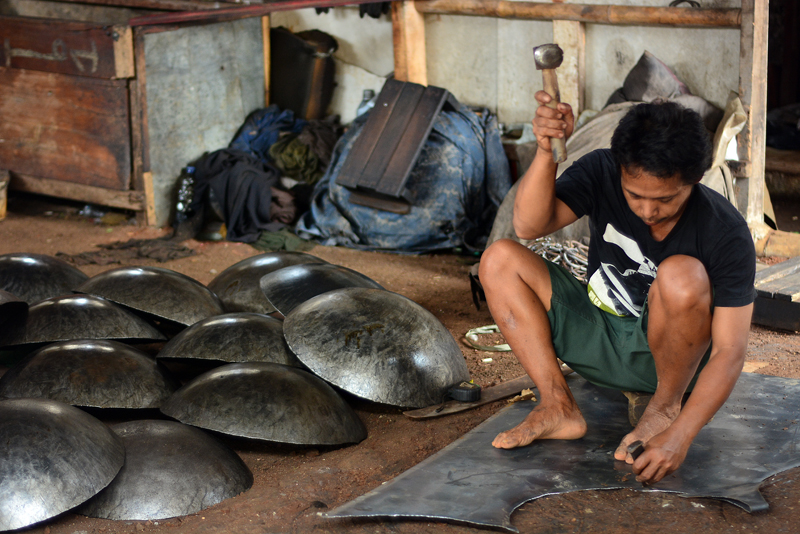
605,349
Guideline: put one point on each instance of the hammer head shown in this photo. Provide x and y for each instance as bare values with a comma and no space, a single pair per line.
548,56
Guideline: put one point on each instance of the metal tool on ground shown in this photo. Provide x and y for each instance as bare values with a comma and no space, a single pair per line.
548,58
636,449
466,392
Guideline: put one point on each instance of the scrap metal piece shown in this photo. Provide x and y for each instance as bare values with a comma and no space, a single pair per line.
291,286
377,345
156,291
81,317
35,277
238,286
751,438
266,401
54,457
90,373
232,338
170,470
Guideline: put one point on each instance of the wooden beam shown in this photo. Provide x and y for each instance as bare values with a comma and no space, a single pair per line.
129,200
599,14
161,5
570,36
265,26
753,94
408,34
66,47
4,178
223,12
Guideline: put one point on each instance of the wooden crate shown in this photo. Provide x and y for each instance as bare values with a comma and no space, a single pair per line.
65,113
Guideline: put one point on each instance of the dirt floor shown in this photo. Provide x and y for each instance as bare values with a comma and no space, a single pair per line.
293,485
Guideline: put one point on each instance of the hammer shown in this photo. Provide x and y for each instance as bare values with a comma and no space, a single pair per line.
548,58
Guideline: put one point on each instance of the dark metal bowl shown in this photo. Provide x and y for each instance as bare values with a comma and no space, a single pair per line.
35,277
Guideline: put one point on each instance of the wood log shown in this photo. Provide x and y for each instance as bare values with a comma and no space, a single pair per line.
71,128
408,35
599,14
129,200
161,5
67,47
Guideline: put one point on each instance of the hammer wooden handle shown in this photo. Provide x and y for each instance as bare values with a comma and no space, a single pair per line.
558,144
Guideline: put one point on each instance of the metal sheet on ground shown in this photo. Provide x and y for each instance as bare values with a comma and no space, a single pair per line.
750,439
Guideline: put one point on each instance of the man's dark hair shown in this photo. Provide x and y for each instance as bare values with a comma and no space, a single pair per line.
663,139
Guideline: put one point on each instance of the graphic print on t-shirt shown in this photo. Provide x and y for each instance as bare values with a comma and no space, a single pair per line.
621,283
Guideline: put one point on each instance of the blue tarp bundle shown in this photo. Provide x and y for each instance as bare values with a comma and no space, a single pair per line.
459,180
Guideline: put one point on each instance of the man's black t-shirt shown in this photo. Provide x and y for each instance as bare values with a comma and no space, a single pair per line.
624,258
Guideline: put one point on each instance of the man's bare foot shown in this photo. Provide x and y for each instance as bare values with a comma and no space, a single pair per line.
544,422
654,421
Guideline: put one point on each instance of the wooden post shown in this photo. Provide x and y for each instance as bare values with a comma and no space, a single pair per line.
267,55
408,32
753,94
570,36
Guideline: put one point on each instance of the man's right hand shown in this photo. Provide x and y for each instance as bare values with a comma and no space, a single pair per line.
550,122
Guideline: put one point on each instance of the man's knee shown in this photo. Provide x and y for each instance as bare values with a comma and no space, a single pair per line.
496,258
681,283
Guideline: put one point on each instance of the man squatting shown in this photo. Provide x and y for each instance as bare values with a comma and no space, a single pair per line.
671,283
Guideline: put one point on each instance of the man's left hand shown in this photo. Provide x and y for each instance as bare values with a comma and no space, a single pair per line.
663,454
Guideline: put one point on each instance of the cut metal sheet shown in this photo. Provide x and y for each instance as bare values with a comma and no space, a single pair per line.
35,277
170,470
54,457
157,291
289,287
81,317
232,338
238,286
751,438
266,401
376,344
90,373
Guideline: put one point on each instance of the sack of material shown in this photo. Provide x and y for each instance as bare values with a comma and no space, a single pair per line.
459,180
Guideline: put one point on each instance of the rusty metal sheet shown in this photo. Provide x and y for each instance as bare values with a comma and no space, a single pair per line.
751,438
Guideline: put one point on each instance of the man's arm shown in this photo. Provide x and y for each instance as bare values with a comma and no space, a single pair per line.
537,211
667,450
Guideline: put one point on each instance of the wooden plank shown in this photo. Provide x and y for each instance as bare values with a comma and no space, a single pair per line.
149,198
787,161
391,136
408,36
784,288
779,270
411,141
161,5
4,179
599,14
359,155
141,79
129,200
752,92
222,12
265,25
66,47
571,37
71,128
775,313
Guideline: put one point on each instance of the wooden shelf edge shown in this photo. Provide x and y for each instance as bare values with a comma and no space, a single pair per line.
129,200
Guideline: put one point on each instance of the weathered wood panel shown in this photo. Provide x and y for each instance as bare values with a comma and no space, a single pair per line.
67,47
129,200
70,128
